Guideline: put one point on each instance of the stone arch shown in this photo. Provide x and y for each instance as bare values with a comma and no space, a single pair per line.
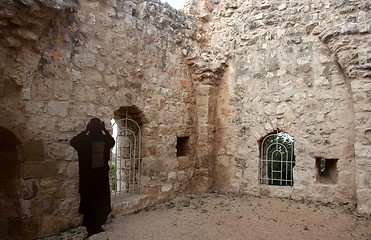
132,112
12,121
10,182
22,167
347,44
348,53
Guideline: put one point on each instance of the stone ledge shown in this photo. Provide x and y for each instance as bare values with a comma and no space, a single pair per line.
124,203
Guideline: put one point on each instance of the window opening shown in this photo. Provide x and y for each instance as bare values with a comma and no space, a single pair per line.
277,159
126,156
326,170
182,146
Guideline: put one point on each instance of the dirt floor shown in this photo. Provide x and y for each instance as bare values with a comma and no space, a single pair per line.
226,216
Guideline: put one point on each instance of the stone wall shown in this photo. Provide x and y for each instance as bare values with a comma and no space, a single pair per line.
302,67
221,74
65,64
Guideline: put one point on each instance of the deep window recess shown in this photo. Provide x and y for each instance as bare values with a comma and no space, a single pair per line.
327,170
127,154
182,146
277,159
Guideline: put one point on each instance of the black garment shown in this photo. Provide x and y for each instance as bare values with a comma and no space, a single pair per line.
93,150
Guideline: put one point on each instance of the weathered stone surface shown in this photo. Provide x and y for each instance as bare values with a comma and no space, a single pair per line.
24,228
59,4
48,225
223,73
30,189
33,151
8,208
24,68
37,170
12,42
57,108
25,34
4,225
84,60
9,169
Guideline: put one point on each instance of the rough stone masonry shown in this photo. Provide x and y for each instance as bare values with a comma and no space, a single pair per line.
222,74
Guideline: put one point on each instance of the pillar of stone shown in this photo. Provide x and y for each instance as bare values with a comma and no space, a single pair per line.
206,103
362,144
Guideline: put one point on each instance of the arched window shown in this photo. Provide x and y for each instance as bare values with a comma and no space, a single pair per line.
126,156
277,159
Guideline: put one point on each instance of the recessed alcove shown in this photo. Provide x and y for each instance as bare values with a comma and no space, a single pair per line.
127,153
9,180
327,172
182,147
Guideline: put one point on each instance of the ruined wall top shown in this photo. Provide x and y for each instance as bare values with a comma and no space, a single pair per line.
22,20
232,25
27,29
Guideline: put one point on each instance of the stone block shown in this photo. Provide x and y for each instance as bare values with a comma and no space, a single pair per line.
9,187
363,150
25,208
26,93
8,153
9,169
152,190
38,170
41,89
84,60
25,34
30,189
184,162
33,151
364,201
48,225
203,183
204,161
42,123
10,41
8,208
42,206
58,108
4,225
25,229
166,187
62,89
361,85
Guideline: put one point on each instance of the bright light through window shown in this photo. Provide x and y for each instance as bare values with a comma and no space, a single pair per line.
175,3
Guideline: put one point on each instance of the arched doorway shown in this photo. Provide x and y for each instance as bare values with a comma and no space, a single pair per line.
127,154
10,164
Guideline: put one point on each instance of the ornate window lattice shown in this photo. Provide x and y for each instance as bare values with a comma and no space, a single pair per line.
277,159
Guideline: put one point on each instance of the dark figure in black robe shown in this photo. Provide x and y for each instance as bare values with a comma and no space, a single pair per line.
93,147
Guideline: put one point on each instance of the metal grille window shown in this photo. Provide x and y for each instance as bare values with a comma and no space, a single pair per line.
277,159
126,160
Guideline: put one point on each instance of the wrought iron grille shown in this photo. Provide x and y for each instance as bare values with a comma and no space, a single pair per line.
126,160
277,160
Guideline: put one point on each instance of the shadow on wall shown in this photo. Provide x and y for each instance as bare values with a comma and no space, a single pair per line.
22,166
10,178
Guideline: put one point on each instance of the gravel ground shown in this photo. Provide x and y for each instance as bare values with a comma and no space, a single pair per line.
234,217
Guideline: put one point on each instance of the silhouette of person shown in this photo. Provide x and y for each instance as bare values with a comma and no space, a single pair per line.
93,148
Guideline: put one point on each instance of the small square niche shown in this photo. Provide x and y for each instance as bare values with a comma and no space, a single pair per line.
182,147
327,172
